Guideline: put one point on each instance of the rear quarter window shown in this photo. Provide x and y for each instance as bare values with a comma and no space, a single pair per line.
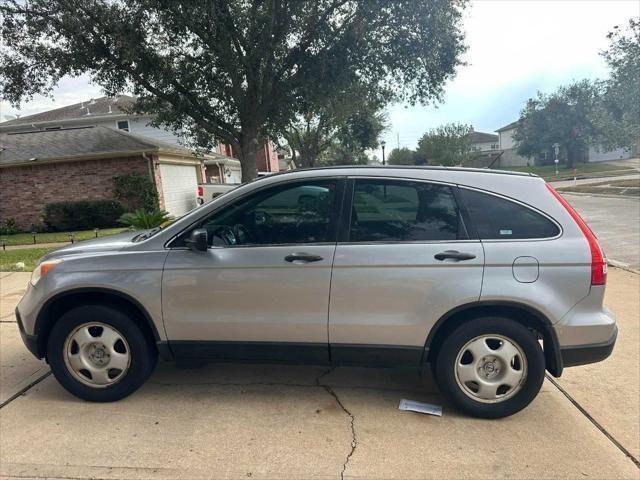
497,218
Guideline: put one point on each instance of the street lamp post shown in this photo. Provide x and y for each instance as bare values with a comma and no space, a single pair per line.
383,144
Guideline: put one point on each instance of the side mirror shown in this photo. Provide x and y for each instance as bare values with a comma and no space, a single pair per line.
197,241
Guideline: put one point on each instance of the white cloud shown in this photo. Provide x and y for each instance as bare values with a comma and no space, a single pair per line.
68,92
515,49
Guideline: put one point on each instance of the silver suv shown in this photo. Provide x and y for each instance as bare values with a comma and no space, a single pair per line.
489,277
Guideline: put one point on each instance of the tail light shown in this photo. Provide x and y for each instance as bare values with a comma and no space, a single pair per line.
598,259
200,192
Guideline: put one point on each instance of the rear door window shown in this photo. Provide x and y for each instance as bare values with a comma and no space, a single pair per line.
500,219
404,211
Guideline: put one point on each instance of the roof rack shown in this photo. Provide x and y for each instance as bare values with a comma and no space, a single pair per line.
412,167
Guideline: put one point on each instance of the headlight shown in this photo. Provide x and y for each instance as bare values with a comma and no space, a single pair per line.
42,269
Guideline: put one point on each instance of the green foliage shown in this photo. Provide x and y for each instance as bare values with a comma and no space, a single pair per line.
8,226
618,115
82,215
135,191
340,154
402,156
446,145
336,132
564,117
232,70
144,219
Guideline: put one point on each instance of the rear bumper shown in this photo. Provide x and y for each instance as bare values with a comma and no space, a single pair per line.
583,354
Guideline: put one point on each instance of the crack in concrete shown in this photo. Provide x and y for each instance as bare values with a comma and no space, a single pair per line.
354,439
316,384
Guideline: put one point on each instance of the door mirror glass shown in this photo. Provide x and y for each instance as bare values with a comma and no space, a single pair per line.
197,241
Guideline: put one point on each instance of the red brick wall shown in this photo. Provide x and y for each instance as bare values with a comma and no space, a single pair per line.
24,190
266,158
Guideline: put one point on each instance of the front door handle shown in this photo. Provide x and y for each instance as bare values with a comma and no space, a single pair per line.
302,257
454,255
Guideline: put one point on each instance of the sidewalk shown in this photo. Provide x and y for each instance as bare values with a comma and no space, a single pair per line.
36,245
591,181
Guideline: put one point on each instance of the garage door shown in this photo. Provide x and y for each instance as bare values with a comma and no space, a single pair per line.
179,187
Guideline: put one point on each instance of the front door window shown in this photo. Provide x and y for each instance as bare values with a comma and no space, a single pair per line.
289,214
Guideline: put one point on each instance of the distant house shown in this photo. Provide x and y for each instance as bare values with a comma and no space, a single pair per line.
484,149
483,142
78,163
510,157
507,144
111,112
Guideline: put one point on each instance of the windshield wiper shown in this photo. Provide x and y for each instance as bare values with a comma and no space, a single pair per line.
144,236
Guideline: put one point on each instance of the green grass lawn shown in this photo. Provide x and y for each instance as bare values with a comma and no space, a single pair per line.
55,237
29,256
548,172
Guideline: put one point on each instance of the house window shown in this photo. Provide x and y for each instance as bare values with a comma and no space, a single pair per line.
123,125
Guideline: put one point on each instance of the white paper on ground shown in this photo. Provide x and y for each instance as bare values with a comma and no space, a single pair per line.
420,407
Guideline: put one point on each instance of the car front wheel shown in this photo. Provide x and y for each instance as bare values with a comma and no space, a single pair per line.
490,367
99,353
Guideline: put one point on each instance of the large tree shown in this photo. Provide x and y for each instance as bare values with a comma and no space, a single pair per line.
618,114
564,117
402,156
336,130
231,70
448,144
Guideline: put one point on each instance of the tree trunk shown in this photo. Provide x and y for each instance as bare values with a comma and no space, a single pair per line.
248,149
307,158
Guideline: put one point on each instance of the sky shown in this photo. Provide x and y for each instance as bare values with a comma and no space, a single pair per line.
516,48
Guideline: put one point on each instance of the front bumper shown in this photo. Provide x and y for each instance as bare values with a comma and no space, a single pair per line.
583,354
31,341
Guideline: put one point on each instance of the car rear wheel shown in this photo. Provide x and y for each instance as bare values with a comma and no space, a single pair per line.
490,367
99,353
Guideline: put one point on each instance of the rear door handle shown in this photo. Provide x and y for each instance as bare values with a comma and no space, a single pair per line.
455,255
302,257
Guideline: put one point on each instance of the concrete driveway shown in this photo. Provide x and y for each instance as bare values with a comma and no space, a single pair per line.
257,421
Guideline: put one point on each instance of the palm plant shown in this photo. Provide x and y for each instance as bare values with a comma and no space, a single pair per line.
144,219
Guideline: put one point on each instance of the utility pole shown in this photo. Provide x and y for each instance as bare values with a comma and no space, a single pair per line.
383,144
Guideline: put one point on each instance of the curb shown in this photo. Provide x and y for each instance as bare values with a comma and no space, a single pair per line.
581,194
622,266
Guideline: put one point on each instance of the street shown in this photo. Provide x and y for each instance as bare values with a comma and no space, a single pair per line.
266,421
616,223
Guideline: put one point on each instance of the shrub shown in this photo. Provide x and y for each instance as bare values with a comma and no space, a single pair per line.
135,191
82,215
143,219
8,227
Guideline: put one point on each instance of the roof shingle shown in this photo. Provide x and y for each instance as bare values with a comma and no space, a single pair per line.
82,142
99,107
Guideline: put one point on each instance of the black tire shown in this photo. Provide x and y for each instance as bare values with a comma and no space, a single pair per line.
143,353
445,366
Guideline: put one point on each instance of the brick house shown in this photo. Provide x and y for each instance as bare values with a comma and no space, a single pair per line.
114,112
66,164
266,162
